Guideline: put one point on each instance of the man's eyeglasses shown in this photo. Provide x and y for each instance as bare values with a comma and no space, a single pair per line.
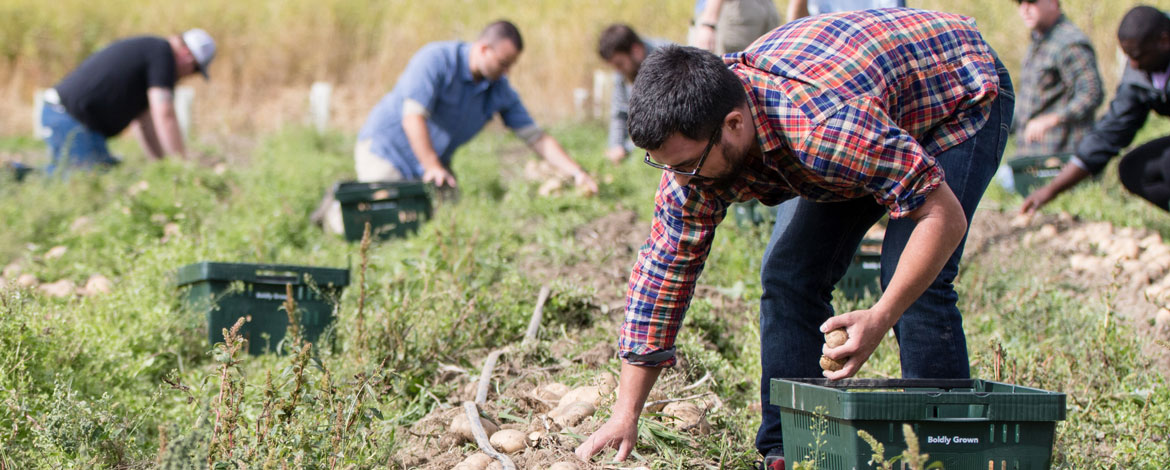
698,166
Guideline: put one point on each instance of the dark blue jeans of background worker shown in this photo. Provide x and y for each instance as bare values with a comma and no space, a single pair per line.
71,144
813,244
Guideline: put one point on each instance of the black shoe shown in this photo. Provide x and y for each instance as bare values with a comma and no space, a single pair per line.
19,170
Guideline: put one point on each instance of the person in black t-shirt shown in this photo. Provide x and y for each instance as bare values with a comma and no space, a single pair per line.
130,83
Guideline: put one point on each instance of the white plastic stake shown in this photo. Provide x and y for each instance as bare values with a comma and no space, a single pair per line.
319,95
184,99
39,131
600,83
580,97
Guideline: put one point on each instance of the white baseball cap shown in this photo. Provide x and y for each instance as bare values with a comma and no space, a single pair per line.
202,47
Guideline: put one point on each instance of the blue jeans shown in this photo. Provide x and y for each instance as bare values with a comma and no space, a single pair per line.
71,144
812,244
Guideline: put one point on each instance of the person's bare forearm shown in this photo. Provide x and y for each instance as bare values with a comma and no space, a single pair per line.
939,227
549,149
633,388
621,430
144,132
164,122
170,136
415,127
1069,176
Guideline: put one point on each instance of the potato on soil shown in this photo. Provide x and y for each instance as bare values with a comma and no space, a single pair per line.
685,415
27,280
508,440
461,427
572,414
591,394
62,288
551,391
563,466
655,396
1162,320
606,382
476,461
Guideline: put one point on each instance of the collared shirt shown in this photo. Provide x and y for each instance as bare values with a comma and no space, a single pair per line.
457,106
845,105
619,106
1059,77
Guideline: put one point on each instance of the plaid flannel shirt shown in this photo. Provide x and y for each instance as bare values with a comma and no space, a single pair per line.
846,105
1060,77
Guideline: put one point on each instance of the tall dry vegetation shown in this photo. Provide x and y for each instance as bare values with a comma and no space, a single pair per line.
272,50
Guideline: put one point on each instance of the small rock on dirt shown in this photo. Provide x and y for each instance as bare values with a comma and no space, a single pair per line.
476,461
56,252
97,284
138,188
27,281
11,271
508,441
606,382
81,224
1162,321
62,288
590,394
572,414
461,427
599,354
686,416
551,392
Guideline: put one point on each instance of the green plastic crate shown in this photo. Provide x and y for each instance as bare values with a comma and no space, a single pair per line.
206,287
864,275
1030,173
393,209
966,424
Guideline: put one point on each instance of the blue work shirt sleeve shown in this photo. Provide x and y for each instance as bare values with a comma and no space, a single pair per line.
424,76
512,110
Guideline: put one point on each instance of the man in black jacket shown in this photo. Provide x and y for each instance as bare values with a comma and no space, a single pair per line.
1144,36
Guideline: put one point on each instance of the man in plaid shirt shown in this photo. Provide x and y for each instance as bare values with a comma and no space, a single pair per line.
1062,89
859,114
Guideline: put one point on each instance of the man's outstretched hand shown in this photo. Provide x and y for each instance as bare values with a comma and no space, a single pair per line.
619,433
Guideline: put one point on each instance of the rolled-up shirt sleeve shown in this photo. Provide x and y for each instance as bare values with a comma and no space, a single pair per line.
861,148
662,281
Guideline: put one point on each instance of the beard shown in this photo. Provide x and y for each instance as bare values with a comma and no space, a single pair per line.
736,159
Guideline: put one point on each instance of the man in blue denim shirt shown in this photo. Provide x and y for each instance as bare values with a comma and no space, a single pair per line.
1144,36
447,93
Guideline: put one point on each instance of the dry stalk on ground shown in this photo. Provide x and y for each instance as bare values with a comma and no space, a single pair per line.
231,395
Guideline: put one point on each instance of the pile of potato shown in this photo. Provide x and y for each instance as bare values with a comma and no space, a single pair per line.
567,408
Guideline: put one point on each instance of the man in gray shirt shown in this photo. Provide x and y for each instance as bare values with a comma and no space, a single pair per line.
623,50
